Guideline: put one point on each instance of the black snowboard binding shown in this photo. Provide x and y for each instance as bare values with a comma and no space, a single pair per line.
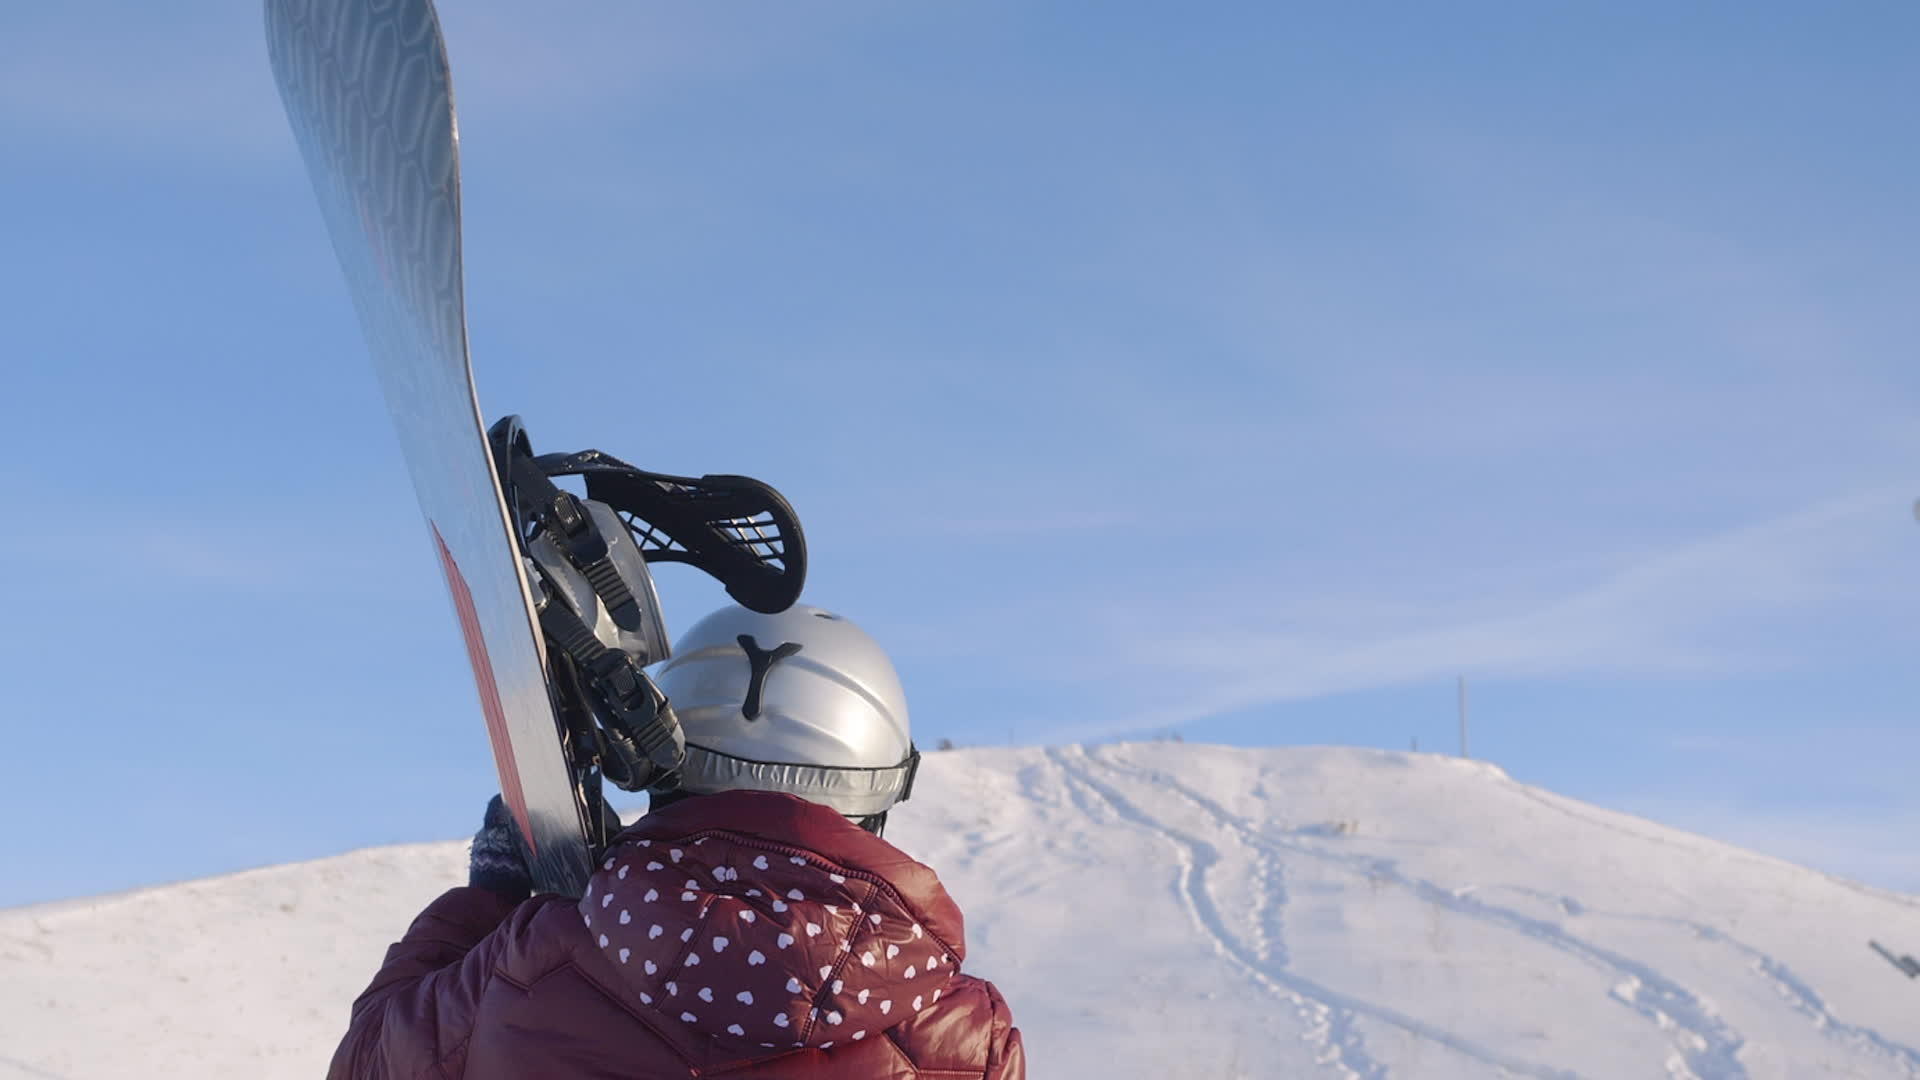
587,563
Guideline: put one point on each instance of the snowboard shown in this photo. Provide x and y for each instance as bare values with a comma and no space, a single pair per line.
370,100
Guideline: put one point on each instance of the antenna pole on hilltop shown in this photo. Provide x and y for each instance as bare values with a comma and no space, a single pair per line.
1463,717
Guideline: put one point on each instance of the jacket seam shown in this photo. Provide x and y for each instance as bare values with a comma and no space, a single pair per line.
619,1000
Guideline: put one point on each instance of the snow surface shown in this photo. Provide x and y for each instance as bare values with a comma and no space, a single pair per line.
1152,910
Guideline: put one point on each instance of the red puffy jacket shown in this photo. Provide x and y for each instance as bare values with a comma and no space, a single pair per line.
745,934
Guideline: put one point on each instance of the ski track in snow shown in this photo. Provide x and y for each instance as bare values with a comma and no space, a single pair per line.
24,1069
1330,1015
1329,1027
1806,1001
1270,926
1773,971
1709,1048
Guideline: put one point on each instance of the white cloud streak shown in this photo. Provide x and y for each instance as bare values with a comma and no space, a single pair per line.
151,81
1703,607
192,82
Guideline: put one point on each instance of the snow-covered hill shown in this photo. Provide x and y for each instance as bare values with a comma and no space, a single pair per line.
1152,910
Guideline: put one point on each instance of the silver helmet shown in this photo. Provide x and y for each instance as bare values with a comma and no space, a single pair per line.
802,702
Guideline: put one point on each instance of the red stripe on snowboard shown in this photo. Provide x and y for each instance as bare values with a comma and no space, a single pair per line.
489,690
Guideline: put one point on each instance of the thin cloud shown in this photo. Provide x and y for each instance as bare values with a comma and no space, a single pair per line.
142,80
599,58
261,553
160,81
1700,608
1017,525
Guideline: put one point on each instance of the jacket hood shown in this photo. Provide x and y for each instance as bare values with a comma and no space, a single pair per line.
761,920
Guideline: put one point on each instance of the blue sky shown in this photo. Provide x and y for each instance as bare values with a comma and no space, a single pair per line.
1252,372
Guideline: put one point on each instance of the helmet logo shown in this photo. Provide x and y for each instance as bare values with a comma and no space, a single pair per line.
762,661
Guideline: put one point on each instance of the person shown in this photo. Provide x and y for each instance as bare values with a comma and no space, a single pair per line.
753,923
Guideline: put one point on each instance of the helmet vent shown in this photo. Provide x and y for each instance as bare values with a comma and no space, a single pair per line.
762,661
